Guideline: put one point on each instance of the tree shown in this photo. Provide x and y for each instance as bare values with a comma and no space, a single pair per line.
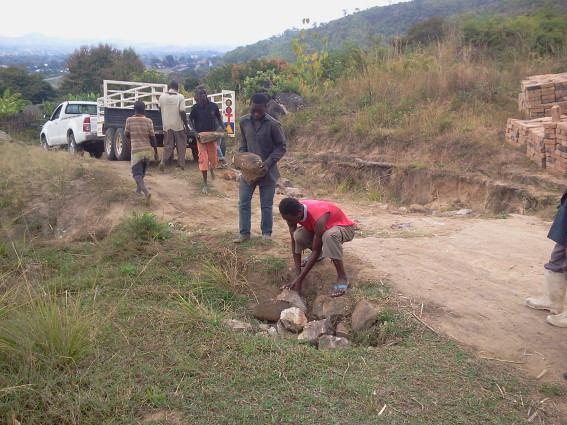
11,103
89,66
30,86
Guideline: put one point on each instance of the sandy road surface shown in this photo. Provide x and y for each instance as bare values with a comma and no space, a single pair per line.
472,275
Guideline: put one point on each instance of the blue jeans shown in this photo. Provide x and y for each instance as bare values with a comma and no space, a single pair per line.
267,192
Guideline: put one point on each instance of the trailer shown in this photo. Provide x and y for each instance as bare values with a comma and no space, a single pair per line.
117,104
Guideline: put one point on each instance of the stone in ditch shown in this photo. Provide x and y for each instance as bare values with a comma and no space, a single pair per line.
313,330
293,319
329,342
283,332
343,330
363,316
416,208
293,298
326,307
237,325
271,310
264,327
272,331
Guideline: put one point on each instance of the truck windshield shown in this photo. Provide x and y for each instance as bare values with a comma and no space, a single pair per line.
78,108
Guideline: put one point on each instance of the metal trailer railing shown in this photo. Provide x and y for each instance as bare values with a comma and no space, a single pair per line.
123,95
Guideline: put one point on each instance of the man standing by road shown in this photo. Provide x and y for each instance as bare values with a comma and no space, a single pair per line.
205,117
323,229
262,135
175,128
139,130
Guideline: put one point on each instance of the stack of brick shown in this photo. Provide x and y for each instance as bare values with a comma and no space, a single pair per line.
541,92
544,140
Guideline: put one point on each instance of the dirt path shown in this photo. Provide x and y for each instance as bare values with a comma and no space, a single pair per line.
472,275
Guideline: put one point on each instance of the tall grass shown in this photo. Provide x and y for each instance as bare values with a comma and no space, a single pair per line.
444,105
48,330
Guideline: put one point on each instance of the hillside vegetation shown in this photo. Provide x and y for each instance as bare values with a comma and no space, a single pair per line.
381,23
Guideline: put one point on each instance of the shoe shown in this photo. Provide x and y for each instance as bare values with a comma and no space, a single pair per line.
205,189
242,239
559,320
554,288
267,237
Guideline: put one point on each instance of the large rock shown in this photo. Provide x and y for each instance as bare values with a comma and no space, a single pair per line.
330,342
313,330
293,298
274,109
293,319
283,332
291,101
417,208
237,325
326,307
343,330
364,316
270,311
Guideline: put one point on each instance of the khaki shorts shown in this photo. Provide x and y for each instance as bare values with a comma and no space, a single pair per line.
333,240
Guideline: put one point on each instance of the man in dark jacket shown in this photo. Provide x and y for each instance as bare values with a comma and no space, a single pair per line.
263,135
555,271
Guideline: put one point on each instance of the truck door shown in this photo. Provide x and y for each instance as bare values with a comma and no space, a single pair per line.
54,128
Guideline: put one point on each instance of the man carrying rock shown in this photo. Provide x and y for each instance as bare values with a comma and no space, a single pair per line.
323,229
175,128
262,135
139,131
205,117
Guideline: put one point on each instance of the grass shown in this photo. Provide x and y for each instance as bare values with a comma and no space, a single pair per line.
131,326
441,106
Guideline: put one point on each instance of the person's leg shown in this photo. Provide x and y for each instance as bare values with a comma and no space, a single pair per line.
204,164
245,193
181,142
213,158
168,144
267,193
333,240
138,171
303,240
135,172
223,146
555,283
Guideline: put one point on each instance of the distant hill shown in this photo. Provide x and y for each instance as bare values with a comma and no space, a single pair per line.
363,28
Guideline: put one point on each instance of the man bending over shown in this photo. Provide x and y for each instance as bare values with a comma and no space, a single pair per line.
323,229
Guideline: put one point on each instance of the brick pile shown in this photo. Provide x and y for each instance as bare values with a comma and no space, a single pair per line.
541,92
543,139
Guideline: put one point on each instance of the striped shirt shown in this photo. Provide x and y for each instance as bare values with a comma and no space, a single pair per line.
139,130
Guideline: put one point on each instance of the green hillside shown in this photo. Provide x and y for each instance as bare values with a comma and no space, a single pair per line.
363,28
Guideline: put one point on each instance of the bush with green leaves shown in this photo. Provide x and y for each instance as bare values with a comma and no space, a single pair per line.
269,82
11,103
544,33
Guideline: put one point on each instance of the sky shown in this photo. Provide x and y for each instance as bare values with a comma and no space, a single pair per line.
175,22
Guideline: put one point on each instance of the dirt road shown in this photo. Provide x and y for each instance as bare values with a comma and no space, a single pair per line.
472,275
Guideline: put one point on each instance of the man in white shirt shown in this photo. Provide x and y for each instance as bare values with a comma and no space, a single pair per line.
175,128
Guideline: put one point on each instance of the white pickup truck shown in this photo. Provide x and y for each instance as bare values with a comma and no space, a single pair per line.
73,124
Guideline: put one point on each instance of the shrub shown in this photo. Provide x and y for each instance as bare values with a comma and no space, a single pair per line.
48,330
146,228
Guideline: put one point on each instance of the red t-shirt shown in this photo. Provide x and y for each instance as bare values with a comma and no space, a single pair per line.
316,209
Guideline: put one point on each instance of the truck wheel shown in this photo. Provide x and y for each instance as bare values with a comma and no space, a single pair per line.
109,144
43,142
121,146
72,146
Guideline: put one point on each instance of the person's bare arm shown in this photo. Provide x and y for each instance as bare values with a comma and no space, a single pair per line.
320,227
296,257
